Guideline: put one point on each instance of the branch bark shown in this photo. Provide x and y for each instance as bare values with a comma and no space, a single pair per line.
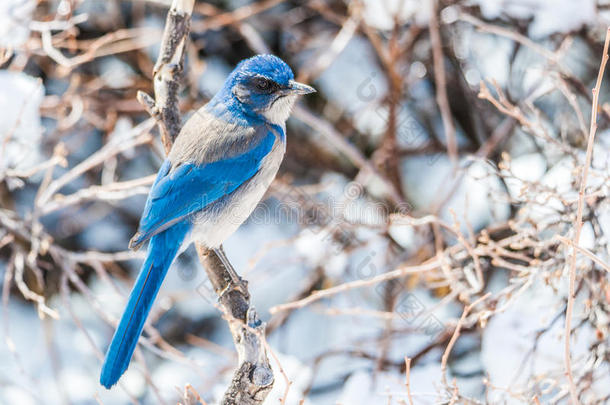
253,379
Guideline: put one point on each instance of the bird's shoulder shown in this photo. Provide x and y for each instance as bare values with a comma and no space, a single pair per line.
206,138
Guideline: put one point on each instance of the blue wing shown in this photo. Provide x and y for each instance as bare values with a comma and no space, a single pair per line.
188,188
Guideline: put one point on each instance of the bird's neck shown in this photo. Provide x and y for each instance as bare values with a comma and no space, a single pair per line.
232,111
226,107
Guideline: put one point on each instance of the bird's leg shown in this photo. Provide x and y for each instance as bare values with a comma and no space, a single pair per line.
235,282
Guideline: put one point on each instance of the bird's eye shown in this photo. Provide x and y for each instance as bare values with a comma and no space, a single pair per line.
262,84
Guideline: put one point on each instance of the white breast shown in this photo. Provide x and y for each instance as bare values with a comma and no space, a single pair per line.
218,221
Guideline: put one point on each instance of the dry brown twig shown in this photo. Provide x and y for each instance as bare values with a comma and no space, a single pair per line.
513,35
456,334
408,379
319,294
440,80
585,252
233,17
282,372
578,223
115,42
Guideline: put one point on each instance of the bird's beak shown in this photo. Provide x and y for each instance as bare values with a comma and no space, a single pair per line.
300,88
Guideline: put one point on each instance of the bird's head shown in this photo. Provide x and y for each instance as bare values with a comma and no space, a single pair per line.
263,86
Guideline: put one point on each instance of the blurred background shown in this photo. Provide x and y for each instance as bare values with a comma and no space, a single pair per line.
444,149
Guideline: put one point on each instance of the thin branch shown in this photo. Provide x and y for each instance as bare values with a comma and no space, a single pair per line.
578,224
234,17
138,136
456,334
408,379
515,36
585,252
111,192
115,42
338,44
440,81
318,295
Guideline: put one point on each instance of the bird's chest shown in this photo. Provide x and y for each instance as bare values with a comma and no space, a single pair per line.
217,222
246,197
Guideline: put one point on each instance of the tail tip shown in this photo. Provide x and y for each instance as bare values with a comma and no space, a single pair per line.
110,375
108,381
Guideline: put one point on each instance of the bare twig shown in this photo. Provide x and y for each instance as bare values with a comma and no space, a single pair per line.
408,379
578,223
515,36
585,252
345,34
112,43
440,81
235,16
139,135
110,192
318,295
456,334
283,373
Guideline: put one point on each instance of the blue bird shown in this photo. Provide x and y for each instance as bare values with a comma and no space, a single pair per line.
218,169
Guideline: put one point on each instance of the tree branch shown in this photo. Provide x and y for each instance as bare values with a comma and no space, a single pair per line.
253,379
168,73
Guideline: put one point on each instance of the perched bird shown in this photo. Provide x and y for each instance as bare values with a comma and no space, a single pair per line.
218,169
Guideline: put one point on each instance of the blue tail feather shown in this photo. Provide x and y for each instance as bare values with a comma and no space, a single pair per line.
162,249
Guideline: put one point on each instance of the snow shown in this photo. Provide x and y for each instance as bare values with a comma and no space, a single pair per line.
20,100
429,178
300,377
530,167
77,384
280,257
525,168
549,16
381,14
16,395
116,73
604,223
356,84
490,59
403,234
212,79
364,388
14,18
503,354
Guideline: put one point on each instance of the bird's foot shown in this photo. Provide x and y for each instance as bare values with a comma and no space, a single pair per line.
235,283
